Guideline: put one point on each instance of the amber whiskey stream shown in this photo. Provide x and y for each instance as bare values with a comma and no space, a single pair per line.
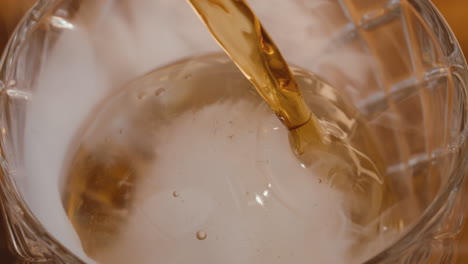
238,30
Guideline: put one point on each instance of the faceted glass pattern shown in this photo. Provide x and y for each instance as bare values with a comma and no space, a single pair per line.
413,97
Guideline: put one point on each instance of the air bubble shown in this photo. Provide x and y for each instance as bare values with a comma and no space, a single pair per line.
159,91
201,235
175,194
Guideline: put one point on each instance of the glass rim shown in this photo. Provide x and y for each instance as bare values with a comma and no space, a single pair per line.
434,211
10,195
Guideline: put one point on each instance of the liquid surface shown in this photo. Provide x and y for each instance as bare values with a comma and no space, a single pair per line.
108,197
187,165
239,31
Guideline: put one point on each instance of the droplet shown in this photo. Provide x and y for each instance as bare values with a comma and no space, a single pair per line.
121,131
60,23
18,94
201,235
107,139
259,200
188,77
175,194
159,91
320,181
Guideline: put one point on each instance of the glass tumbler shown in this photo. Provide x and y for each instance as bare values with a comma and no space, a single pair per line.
396,60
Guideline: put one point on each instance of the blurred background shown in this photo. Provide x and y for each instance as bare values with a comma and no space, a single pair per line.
454,11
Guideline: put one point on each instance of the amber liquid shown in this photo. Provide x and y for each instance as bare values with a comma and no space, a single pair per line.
107,163
117,158
236,28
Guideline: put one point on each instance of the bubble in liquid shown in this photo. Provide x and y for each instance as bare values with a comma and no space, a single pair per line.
175,194
159,91
201,235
